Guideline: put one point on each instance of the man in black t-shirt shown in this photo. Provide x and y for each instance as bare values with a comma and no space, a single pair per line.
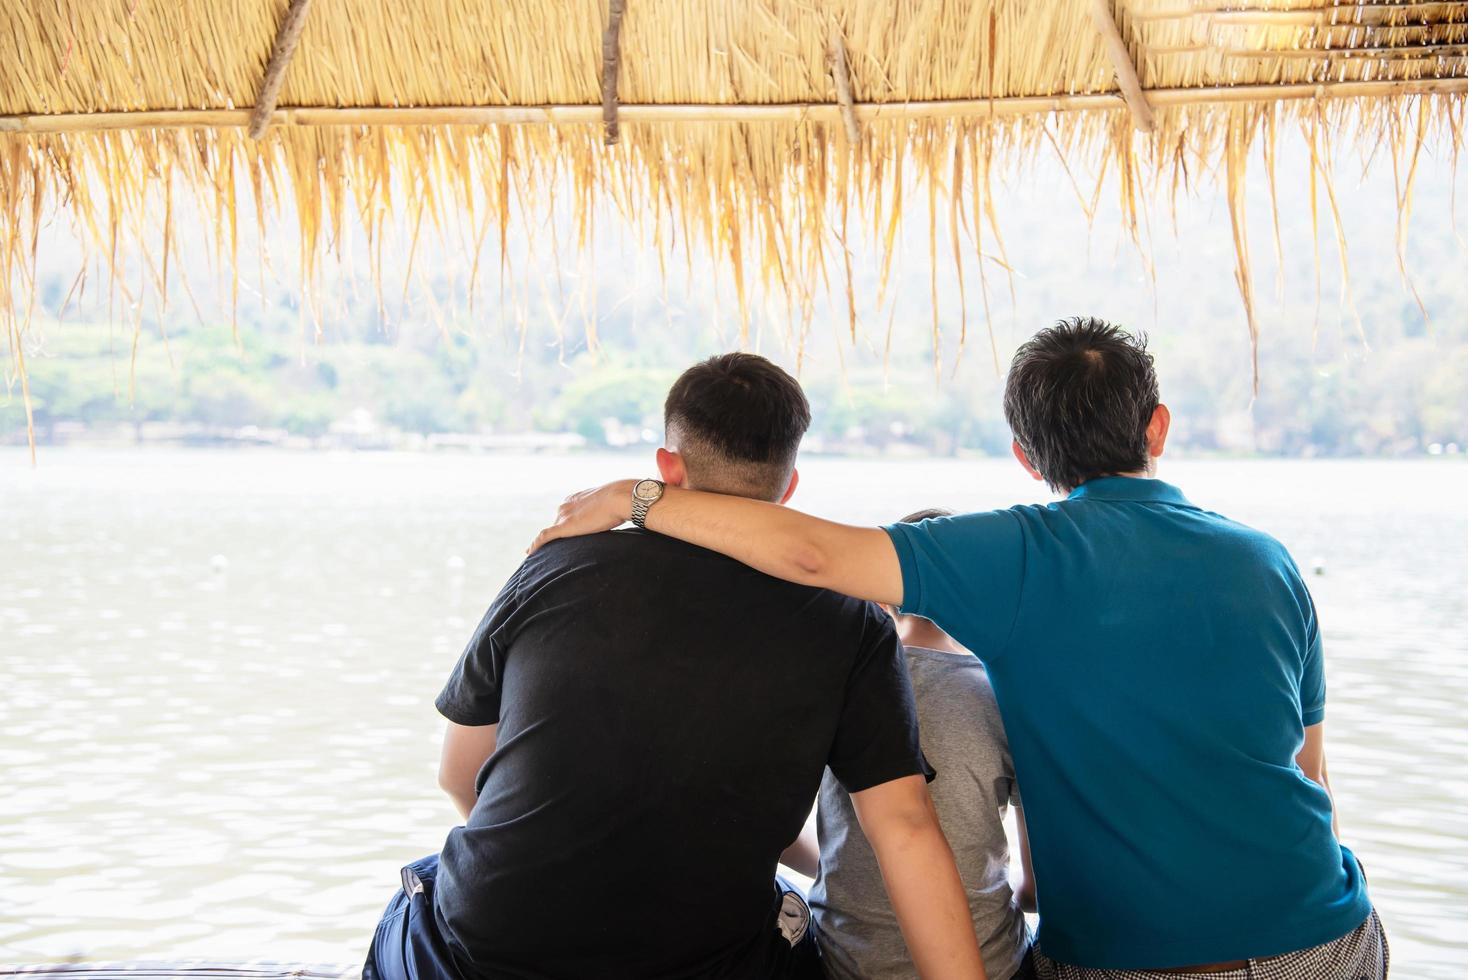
637,730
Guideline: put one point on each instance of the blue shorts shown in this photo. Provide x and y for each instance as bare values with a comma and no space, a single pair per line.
409,946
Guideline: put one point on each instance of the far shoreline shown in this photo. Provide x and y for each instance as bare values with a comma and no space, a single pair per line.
251,439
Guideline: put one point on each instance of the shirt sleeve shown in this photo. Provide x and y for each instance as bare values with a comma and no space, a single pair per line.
472,694
1312,677
964,573
877,734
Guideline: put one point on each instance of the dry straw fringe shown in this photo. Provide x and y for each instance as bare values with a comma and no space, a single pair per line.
944,97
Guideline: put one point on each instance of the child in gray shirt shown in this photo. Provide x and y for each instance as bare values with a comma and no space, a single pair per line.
963,738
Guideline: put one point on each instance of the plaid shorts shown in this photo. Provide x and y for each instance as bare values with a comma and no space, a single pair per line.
1361,954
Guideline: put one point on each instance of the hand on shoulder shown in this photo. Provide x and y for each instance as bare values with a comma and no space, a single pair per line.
588,512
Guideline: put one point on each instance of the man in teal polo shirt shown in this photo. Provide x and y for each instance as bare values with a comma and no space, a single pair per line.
1158,668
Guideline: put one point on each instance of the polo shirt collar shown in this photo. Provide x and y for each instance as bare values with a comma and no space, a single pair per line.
1130,488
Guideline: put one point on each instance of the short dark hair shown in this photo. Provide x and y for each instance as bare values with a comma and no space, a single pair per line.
1079,398
737,421
927,513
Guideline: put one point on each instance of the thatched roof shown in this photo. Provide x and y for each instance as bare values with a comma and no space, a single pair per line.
760,128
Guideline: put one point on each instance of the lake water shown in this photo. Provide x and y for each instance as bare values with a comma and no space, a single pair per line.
217,735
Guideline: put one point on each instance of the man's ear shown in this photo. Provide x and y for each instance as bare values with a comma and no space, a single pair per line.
790,490
1024,460
671,468
1157,430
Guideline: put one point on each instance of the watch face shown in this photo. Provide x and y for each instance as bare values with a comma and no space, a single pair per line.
647,490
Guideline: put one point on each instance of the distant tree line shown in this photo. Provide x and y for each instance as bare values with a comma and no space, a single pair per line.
1316,399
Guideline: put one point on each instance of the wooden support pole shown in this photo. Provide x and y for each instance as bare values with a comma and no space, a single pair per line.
1121,60
611,67
792,112
286,37
841,75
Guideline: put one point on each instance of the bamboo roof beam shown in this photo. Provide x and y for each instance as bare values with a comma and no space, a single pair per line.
286,38
1334,12
1398,53
1121,60
1373,16
1385,43
83,122
1411,47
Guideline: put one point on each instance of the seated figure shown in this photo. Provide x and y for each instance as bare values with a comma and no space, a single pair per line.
963,738
639,727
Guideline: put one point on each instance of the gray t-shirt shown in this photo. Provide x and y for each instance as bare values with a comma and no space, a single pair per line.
963,738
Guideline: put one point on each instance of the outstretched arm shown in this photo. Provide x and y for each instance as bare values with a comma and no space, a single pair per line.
922,880
856,561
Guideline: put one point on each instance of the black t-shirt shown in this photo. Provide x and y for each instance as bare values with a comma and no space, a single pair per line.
665,716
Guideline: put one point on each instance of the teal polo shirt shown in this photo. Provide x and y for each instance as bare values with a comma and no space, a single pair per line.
1156,666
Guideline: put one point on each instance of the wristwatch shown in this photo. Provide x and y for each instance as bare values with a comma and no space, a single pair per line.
645,493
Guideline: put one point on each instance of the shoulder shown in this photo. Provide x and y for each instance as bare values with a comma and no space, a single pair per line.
1260,546
875,625
677,565
578,563
1246,554
605,546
